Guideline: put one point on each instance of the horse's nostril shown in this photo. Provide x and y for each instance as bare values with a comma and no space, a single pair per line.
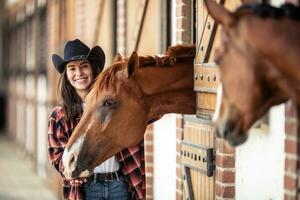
72,160
226,132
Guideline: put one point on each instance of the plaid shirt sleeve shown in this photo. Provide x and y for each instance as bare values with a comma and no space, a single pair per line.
59,132
132,162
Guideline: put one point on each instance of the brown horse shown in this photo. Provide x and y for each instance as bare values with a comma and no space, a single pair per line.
124,99
259,65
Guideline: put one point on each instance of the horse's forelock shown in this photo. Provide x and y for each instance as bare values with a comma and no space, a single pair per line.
107,77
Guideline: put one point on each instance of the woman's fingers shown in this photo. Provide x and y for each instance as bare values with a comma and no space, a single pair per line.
76,182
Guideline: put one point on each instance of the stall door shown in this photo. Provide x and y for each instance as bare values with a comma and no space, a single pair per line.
197,149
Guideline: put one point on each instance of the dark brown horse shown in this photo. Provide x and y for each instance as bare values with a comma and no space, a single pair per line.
124,99
259,64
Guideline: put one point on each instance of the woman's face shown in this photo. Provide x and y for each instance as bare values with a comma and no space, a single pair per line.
80,75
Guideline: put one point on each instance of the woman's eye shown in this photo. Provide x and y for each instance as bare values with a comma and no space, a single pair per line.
108,103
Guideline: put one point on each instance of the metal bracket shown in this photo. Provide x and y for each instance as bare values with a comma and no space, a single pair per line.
198,157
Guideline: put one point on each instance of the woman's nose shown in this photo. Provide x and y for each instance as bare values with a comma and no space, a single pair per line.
79,72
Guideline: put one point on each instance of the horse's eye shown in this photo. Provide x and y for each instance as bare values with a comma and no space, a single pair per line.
108,103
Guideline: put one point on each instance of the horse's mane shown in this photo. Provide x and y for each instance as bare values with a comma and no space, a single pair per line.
174,54
265,10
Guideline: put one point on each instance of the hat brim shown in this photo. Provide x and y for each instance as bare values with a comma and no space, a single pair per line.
96,57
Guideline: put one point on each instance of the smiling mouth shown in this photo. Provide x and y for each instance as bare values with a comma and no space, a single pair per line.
81,80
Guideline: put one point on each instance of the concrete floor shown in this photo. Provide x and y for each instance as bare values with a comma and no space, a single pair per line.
17,179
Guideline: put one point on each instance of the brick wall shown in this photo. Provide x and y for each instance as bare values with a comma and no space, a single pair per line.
292,149
183,21
225,170
149,162
179,137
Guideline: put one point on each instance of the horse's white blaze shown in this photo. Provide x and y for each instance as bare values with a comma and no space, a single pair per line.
74,150
218,103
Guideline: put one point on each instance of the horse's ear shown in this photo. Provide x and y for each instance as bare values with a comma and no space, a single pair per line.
219,13
132,65
118,57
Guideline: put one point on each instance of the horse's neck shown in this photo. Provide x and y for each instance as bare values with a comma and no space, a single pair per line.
279,42
168,89
158,79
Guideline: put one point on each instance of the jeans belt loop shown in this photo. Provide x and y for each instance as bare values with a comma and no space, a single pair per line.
117,175
94,178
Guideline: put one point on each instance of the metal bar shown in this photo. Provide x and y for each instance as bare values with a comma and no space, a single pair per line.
140,24
98,22
188,183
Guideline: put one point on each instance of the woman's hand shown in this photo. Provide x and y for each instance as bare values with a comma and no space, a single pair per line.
78,181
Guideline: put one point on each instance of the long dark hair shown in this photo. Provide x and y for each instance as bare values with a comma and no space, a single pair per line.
71,102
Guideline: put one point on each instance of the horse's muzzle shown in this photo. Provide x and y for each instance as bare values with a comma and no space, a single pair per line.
232,133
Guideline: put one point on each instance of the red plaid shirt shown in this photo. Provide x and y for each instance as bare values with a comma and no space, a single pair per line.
131,160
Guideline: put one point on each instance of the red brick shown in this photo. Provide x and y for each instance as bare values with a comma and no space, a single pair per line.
182,10
289,197
290,110
149,147
178,184
149,179
291,146
182,23
149,169
290,183
223,147
183,36
149,127
179,135
290,165
178,147
149,136
183,1
179,121
225,192
225,161
291,127
225,176
178,196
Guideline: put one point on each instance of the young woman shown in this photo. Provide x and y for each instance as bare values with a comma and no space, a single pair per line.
120,177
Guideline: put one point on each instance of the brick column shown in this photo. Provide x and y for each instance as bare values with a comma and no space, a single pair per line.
292,151
121,27
183,21
225,170
292,147
179,137
148,139
183,35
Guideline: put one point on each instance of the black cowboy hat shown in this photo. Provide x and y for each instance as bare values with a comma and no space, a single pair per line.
77,50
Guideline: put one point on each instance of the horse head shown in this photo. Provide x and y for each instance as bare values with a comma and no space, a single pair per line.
250,84
123,100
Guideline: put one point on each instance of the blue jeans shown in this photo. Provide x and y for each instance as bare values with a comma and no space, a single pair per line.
110,190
